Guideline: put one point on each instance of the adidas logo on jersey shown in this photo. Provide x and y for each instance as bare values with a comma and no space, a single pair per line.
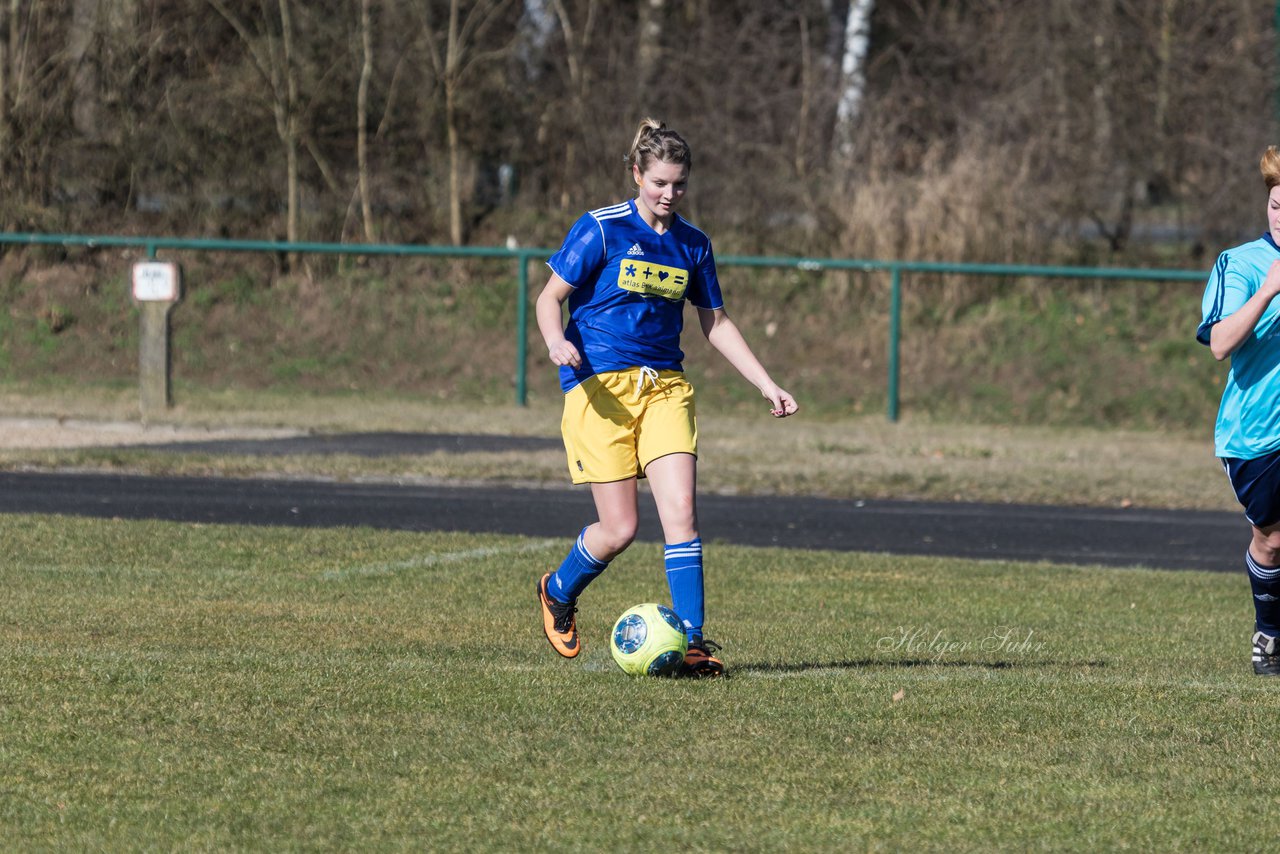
635,249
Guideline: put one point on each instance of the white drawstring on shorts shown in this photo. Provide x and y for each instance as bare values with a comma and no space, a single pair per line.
647,375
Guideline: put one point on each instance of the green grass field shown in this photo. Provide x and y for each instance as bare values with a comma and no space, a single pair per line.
199,687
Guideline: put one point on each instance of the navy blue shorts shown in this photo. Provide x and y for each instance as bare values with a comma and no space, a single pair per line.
1257,486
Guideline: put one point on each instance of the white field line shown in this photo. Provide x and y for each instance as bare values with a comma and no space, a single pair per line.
430,560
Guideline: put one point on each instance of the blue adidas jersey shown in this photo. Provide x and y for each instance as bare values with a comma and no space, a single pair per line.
1248,424
630,285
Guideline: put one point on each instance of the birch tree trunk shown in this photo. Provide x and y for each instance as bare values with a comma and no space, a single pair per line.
853,82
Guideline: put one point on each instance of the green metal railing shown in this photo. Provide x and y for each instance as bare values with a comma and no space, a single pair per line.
153,245
896,270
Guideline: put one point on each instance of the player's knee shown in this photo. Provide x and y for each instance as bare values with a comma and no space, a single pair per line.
617,534
686,510
680,513
1266,548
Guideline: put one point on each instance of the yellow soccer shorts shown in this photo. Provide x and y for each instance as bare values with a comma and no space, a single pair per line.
617,422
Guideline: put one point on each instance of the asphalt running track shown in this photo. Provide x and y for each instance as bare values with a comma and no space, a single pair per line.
1166,539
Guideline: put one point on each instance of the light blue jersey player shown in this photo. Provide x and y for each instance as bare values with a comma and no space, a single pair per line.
1239,320
626,272
1248,424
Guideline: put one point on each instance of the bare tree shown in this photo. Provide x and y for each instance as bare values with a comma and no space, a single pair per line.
362,120
1091,114
1052,118
650,35
12,84
85,82
33,86
273,58
456,50
577,43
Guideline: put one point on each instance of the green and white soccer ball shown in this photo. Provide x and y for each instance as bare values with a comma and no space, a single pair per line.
648,640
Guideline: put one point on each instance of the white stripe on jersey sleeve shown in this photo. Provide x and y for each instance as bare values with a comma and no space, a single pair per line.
613,211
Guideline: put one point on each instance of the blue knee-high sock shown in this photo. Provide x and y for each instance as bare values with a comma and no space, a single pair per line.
578,569
684,577
1265,581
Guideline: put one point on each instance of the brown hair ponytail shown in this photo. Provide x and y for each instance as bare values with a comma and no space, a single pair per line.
655,142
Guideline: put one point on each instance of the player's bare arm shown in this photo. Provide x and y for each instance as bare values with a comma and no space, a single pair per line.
550,317
724,335
1230,332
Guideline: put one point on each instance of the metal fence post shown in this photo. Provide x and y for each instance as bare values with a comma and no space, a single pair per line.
522,329
895,329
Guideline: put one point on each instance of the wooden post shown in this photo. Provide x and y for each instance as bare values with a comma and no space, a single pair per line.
156,289
153,358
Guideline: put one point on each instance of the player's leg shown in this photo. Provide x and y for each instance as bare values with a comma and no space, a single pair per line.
599,440
672,480
596,545
1257,486
667,447
1262,561
618,518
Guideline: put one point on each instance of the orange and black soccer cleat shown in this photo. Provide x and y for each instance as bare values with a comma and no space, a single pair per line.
558,622
700,661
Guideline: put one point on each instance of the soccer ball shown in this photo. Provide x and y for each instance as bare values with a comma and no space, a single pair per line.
648,640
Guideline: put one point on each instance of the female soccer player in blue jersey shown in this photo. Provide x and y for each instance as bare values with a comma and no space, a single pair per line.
626,271
1240,319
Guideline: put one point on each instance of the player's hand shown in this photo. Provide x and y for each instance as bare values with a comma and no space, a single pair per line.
1271,284
782,403
565,354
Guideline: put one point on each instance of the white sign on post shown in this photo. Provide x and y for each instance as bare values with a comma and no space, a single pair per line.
156,281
